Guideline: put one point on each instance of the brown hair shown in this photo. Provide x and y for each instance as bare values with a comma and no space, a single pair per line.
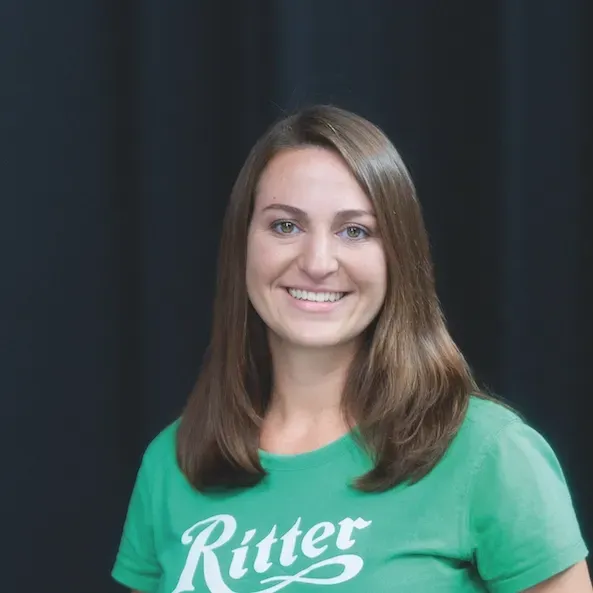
408,388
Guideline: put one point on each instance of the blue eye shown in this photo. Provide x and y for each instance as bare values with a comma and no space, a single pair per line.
354,233
284,227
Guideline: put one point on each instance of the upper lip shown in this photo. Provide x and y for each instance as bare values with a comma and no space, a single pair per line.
307,289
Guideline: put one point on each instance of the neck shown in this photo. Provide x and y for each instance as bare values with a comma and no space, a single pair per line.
308,382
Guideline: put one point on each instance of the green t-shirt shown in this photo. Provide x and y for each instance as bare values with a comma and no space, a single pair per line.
495,514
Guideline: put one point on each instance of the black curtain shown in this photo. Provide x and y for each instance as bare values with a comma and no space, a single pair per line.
123,125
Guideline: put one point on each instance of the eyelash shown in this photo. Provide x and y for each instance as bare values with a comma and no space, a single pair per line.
274,226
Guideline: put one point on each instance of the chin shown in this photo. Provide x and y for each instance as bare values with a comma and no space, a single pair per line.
316,340
315,344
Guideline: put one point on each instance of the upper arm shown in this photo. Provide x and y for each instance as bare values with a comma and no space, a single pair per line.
522,522
574,580
137,566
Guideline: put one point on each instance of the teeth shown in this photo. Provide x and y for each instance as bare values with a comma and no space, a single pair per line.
317,297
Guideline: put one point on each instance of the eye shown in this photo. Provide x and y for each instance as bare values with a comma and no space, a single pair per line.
284,227
354,233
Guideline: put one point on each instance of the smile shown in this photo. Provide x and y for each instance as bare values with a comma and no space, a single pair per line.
315,297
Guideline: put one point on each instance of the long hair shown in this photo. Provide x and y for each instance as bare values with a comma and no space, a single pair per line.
409,386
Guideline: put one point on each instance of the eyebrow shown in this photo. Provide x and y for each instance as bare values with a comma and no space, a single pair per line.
351,213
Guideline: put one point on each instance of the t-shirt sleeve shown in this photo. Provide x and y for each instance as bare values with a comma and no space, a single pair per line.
521,517
136,565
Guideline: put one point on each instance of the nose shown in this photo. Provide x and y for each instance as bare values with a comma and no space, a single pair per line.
318,258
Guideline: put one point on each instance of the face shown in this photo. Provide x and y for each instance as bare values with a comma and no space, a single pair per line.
316,271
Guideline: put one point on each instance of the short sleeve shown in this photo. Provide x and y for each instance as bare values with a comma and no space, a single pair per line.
521,517
136,565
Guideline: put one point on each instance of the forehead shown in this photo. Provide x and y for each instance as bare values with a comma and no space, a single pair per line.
311,178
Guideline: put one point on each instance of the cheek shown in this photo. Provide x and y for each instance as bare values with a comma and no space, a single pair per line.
371,271
382,278
262,262
253,267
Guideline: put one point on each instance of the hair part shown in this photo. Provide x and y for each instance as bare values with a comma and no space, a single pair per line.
409,386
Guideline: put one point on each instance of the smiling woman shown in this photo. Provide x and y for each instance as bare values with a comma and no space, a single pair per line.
310,249
336,436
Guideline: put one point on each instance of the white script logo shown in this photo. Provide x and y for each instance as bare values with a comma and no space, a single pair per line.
313,544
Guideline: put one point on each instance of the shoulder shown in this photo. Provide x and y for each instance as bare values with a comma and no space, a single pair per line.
509,457
486,418
493,431
488,422
162,447
520,523
485,422
496,445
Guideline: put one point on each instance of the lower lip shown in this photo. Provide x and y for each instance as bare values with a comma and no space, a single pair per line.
314,306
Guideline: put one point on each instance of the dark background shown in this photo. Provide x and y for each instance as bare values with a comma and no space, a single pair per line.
123,125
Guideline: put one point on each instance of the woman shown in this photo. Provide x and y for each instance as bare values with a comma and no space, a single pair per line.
336,440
